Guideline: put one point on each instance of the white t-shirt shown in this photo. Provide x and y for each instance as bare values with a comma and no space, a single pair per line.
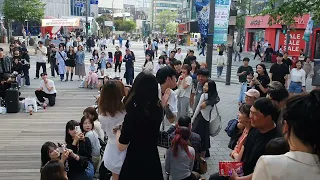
173,104
42,56
185,92
50,84
179,57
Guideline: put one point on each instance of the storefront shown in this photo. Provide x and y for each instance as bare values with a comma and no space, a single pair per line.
258,30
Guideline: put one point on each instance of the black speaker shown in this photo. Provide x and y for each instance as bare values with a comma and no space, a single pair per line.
12,101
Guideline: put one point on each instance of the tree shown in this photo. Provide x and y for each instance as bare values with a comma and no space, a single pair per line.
125,25
284,13
171,28
101,19
165,17
21,10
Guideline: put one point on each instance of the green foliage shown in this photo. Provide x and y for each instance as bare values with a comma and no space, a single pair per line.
101,19
21,10
244,9
125,25
284,13
171,28
165,17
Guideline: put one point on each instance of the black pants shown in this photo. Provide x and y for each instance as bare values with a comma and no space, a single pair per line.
53,67
41,95
257,53
117,65
25,69
38,65
129,77
216,176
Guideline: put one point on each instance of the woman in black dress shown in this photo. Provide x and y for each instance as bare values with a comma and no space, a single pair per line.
70,62
140,129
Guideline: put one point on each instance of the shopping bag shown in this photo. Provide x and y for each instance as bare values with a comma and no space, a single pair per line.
30,103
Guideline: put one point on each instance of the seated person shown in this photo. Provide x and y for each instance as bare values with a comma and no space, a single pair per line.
263,114
17,67
5,84
195,140
92,78
47,90
243,119
180,157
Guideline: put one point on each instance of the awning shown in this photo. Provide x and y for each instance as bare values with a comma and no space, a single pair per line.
74,22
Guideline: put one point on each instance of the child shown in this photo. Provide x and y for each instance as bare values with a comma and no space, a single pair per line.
87,126
92,78
110,57
102,63
247,87
109,70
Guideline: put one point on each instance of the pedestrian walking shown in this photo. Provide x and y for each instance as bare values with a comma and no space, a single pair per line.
221,62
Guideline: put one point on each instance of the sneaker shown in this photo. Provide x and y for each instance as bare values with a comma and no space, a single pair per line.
71,80
36,78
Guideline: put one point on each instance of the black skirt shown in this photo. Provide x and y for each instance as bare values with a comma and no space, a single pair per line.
70,63
201,127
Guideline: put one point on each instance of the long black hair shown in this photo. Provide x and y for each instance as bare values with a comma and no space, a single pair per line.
302,116
71,125
45,152
142,96
146,61
212,90
53,170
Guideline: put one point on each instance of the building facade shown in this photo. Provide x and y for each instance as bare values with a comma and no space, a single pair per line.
57,8
161,5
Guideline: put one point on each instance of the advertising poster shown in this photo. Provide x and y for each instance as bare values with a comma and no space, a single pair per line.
221,19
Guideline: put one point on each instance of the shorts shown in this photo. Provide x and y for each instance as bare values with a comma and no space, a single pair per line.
156,48
295,87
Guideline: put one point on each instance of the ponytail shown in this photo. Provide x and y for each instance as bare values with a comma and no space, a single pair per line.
180,139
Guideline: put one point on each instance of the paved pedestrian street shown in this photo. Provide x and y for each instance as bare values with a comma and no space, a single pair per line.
22,135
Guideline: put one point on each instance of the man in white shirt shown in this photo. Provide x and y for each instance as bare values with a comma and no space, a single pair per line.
179,55
47,90
166,77
41,54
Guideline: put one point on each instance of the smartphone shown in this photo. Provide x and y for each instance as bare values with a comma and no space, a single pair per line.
255,75
78,129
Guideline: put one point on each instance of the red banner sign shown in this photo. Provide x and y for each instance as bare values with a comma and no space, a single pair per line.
295,44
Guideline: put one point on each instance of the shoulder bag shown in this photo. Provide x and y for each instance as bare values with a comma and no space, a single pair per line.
215,123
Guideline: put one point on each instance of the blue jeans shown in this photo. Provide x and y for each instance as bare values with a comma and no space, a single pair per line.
295,87
219,70
243,90
90,171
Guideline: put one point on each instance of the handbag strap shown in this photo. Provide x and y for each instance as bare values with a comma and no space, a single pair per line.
61,56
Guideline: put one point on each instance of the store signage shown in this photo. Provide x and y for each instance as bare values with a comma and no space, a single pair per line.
60,22
295,44
255,22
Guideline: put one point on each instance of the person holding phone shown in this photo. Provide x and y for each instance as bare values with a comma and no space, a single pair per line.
261,80
242,73
41,54
80,166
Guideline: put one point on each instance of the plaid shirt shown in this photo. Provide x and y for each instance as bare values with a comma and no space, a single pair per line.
165,138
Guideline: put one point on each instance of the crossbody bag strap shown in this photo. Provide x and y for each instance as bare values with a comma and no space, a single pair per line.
61,56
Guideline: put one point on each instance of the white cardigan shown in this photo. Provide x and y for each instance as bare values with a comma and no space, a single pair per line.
148,67
206,112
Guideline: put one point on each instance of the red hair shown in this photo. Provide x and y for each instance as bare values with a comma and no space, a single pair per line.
181,139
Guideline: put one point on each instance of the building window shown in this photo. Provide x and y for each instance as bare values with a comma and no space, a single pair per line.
77,11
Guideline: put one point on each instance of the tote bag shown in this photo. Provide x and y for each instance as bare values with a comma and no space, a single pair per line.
215,122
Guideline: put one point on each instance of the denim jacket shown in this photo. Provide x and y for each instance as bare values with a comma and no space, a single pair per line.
80,57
